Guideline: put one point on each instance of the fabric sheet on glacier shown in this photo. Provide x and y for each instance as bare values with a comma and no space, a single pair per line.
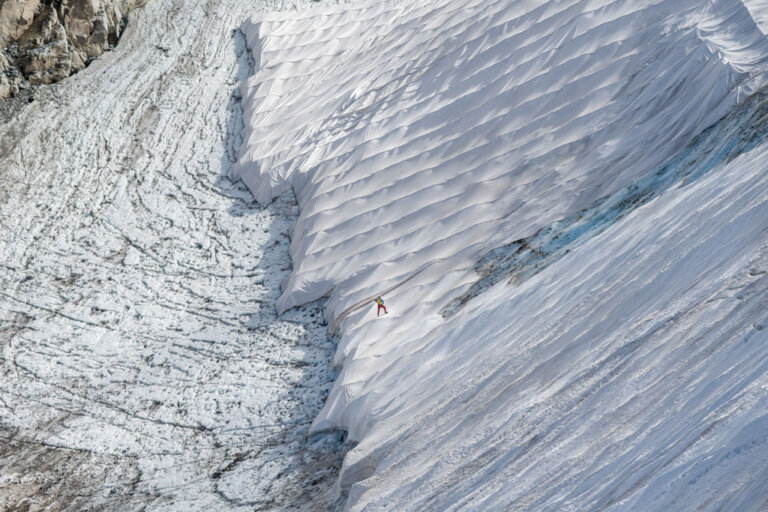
416,131
631,375
418,136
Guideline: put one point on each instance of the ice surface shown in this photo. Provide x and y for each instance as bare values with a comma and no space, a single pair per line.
143,366
628,373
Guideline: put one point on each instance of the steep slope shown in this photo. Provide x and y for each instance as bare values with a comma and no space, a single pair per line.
629,375
420,137
485,113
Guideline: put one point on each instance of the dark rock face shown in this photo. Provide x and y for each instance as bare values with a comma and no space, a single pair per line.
44,41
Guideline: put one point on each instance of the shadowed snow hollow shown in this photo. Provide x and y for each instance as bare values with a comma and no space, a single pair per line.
420,136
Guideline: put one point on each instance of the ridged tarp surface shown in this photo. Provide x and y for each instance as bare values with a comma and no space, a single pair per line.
419,136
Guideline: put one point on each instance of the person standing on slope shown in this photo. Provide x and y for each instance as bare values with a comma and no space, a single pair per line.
381,305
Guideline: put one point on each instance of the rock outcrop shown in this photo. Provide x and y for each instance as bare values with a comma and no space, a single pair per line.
44,41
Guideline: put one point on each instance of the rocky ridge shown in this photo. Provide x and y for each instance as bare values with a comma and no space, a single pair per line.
44,41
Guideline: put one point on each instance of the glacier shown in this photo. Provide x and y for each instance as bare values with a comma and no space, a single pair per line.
564,205
142,363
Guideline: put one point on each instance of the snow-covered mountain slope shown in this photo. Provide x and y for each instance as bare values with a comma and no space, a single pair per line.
625,373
